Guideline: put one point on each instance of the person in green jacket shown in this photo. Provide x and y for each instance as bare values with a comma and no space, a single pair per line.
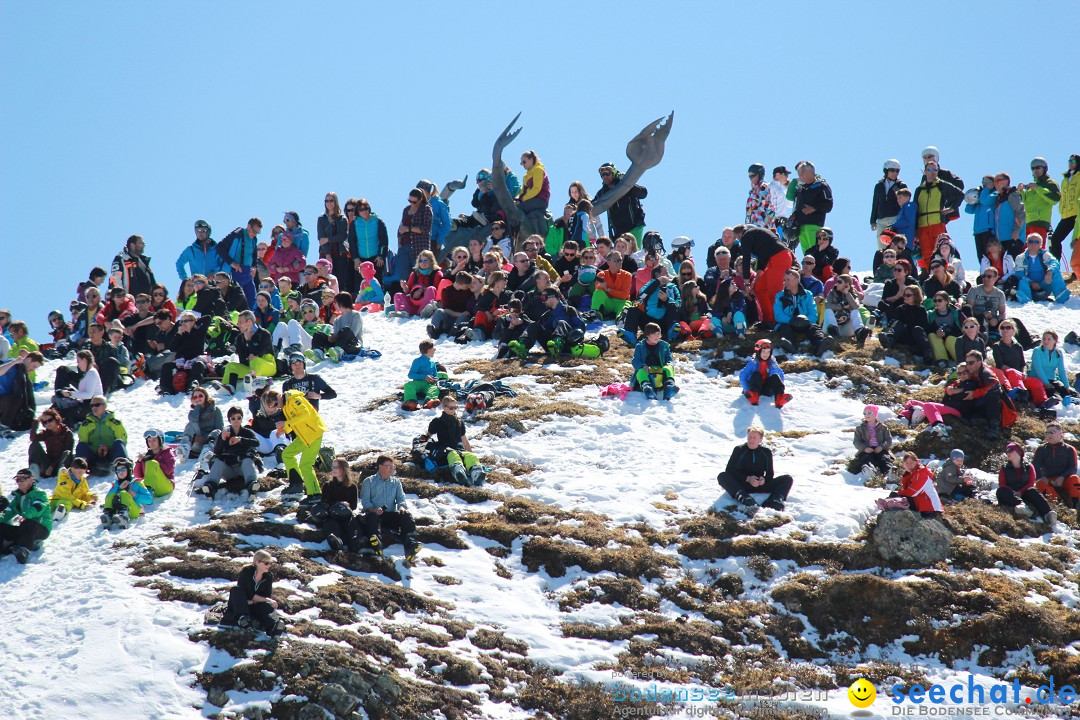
1070,200
1040,196
102,438
27,518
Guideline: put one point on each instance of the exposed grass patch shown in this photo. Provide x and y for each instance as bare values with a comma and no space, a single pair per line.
517,413
171,592
556,556
628,592
493,640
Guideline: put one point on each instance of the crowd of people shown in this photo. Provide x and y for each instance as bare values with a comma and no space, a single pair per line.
247,312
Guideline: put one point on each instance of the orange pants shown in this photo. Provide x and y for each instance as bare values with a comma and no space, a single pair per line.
928,236
770,281
702,327
1074,259
1068,492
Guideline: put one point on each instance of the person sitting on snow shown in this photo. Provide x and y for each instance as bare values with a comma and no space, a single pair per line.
347,337
155,467
51,444
1016,487
952,482
250,601
510,326
1055,468
917,491
102,438
423,381
750,470
29,505
126,497
873,440
653,365
234,456
796,316
762,376
1039,274
383,503
72,491
559,329
450,446
370,295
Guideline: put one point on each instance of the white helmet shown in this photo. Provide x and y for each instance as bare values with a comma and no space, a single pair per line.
891,165
931,150
1039,162
972,196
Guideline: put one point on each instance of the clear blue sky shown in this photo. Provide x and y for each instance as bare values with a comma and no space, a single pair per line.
141,117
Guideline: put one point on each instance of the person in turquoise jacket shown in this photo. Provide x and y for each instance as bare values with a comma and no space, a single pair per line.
126,497
440,214
300,236
1048,365
423,381
905,219
980,203
368,240
30,503
201,257
796,315
653,365
1039,274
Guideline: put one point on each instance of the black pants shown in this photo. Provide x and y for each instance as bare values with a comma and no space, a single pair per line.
261,612
882,461
636,319
344,529
27,533
38,456
400,522
16,410
913,337
990,404
343,270
537,332
772,386
980,242
1064,227
778,487
67,377
812,332
1030,497
194,375
346,340
109,369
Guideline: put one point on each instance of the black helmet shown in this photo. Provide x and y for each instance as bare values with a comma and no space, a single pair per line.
123,462
55,313
652,242
756,169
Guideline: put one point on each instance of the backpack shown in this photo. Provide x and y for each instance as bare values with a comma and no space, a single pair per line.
219,337
179,381
325,461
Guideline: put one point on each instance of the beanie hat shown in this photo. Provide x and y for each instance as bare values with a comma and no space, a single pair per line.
323,262
367,270
1014,447
871,408
263,293
958,454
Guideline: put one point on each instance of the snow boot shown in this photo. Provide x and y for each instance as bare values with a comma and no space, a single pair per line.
783,399
649,391
1050,519
60,512
773,502
457,471
431,404
861,335
296,484
334,353
629,337
410,406
555,347
433,332
22,554
504,351
744,498
477,475
412,551
517,348
107,516
603,343
375,544
334,542
121,521
752,397
670,389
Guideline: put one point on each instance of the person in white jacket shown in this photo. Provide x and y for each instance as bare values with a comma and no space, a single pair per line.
73,402
778,191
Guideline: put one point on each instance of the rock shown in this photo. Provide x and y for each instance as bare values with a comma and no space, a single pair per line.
337,700
254,712
312,711
217,697
906,538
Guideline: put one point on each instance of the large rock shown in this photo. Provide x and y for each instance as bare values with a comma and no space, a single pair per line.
337,700
910,540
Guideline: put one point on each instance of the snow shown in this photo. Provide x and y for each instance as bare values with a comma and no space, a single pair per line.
80,639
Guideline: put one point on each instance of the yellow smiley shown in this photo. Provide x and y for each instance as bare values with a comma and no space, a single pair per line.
862,693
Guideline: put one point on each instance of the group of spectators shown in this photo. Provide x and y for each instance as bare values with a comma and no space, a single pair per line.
249,311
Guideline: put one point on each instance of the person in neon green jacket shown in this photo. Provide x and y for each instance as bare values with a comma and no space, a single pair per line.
31,504
1040,196
1070,203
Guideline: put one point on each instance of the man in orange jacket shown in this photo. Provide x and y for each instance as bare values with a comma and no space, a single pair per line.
612,292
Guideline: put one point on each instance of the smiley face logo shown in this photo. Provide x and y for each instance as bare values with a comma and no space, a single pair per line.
862,693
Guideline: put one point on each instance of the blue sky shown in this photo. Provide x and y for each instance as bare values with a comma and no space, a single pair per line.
141,117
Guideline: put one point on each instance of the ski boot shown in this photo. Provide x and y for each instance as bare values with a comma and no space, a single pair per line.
649,391
376,545
670,389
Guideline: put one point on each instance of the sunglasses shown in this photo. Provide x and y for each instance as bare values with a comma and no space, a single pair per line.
971,362
310,272
363,208
198,282
97,404
414,202
486,262
142,302
970,327
909,294
425,261
350,210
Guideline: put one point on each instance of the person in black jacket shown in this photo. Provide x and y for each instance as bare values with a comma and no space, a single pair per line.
774,259
234,456
313,386
750,470
233,294
909,321
885,207
187,340
333,232
892,295
250,601
17,404
131,269
239,250
208,300
813,201
626,215
341,496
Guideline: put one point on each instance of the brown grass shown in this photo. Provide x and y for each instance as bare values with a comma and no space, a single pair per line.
515,414
557,556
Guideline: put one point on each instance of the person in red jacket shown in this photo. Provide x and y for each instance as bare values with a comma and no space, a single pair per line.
917,487
1016,487
1055,468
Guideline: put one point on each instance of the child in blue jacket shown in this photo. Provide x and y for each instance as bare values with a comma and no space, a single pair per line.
905,219
653,366
423,380
126,497
763,376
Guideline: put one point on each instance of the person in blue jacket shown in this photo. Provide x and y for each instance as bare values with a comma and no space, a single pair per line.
238,251
301,239
797,317
201,257
905,219
1039,274
1048,365
981,203
368,240
126,497
763,376
653,365
658,301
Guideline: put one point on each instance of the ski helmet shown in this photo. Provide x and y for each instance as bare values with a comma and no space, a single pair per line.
123,462
827,231
972,196
931,151
652,242
153,432
756,169
202,225
55,313
1039,162
762,344
891,165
